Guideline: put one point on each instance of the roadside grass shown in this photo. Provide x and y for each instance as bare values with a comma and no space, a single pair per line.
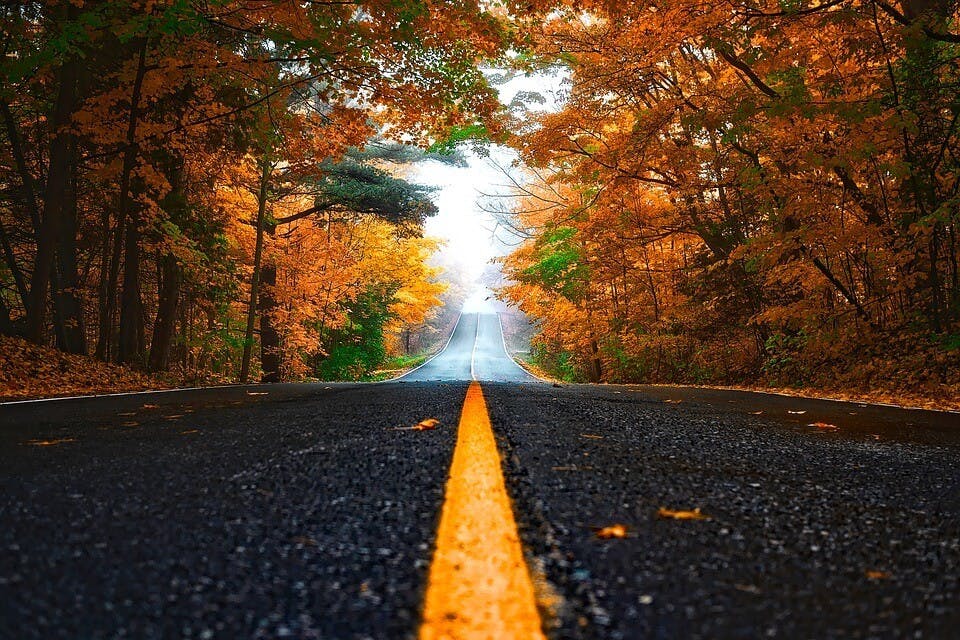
398,365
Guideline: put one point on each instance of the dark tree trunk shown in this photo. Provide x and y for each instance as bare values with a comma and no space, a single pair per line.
131,344
60,170
255,279
105,292
596,365
67,299
269,335
11,259
6,325
171,277
26,178
131,336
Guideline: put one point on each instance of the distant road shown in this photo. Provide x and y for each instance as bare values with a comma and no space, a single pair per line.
312,510
476,351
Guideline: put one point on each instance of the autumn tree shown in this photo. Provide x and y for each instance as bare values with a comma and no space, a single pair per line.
126,123
792,167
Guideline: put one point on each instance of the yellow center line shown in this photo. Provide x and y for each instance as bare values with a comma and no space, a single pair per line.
479,585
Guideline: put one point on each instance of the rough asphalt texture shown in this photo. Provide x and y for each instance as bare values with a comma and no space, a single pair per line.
309,511
306,517
798,516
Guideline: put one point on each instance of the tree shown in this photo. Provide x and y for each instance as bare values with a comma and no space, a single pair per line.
757,175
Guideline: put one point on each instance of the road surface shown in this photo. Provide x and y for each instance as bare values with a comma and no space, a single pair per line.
312,511
476,351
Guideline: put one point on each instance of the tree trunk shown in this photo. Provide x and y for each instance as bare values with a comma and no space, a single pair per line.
6,325
67,299
131,345
269,335
171,277
255,280
11,259
596,365
57,191
105,293
131,339
26,178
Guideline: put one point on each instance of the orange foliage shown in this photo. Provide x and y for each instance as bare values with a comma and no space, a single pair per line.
741,191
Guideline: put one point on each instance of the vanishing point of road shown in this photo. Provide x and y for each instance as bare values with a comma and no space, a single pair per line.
315,511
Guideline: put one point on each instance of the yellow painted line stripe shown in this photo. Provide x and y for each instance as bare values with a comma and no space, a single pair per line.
479,585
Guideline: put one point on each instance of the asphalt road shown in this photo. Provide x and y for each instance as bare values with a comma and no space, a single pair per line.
475,351
310,511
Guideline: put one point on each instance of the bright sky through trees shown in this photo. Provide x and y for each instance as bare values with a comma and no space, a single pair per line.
469,232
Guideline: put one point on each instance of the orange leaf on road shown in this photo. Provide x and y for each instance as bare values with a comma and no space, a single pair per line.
48,443
612,531
663,512
426,425
823,425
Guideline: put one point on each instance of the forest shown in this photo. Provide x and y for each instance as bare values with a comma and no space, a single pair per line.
216,188
732,192
746,191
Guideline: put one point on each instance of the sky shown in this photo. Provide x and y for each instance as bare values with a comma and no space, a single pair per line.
467,230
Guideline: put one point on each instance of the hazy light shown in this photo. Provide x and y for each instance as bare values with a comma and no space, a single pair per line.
480,301
466,229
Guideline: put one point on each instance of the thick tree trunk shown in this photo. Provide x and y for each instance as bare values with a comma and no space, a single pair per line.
269,334
255,279
169,270
131,344
131,336
171,277
60,169
67,299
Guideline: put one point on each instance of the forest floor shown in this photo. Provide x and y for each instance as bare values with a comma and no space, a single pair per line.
31,371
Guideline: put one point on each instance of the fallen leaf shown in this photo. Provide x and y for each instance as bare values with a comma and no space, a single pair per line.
663,512
823,425
305,541
189,431
612,531
673,401
755,413
590,435
36,442
873,574
427,424
151,406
